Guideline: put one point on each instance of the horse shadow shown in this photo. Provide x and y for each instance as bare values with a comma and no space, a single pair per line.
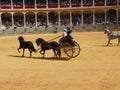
111,45
40,58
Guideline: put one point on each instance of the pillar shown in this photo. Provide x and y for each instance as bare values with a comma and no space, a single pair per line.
36,19
93,18
12,20
47,18
70,18
82,18
24,20
59,19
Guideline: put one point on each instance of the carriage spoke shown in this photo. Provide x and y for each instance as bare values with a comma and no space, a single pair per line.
66,51
76,50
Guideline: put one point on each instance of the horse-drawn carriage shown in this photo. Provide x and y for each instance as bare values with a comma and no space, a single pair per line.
69,50
63,50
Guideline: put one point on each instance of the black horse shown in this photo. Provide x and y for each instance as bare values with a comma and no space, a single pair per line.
26,45
47,46
112,35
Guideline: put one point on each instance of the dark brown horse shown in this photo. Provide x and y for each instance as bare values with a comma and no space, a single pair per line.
26,45
47,46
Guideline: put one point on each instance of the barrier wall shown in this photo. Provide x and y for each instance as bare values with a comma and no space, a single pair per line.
41,29
100,27
21,30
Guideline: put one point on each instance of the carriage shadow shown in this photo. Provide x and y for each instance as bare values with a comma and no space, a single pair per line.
40,58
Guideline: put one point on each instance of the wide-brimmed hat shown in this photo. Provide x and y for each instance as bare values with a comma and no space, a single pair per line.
64,29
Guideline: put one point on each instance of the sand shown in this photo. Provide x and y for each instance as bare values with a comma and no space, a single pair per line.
96,68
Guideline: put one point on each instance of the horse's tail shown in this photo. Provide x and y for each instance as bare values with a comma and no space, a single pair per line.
33,49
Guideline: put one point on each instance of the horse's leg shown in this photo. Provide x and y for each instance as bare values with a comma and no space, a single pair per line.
42,52
108,42
30,53
23,52
19,49
55,54
118,41
59,52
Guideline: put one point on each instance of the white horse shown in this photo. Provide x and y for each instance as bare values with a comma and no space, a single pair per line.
112,35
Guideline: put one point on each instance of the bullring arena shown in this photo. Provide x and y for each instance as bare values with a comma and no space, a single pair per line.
96,68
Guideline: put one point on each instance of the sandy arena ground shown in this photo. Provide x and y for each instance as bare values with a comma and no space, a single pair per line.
96,68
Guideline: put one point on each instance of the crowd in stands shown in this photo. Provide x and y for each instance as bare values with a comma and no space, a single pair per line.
7,22
119,18
64,19
53,18
99,2
100,18
55,2
64,2
88,18
111,2
41,20
76,1
17,3
18,21
29,3
30,20
87,2
5,2
76,19
41,2
111,17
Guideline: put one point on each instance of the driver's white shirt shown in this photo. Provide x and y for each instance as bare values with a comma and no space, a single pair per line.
65,34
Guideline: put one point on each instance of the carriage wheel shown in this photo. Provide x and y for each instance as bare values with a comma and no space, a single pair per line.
76,49
66,51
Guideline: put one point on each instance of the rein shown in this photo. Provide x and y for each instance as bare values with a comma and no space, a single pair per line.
55,38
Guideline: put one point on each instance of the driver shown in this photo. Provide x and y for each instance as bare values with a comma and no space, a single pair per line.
67,37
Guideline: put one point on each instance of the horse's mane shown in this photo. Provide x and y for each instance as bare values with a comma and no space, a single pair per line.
40,40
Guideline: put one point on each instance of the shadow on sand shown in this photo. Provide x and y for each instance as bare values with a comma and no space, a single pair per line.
46,58
110,45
